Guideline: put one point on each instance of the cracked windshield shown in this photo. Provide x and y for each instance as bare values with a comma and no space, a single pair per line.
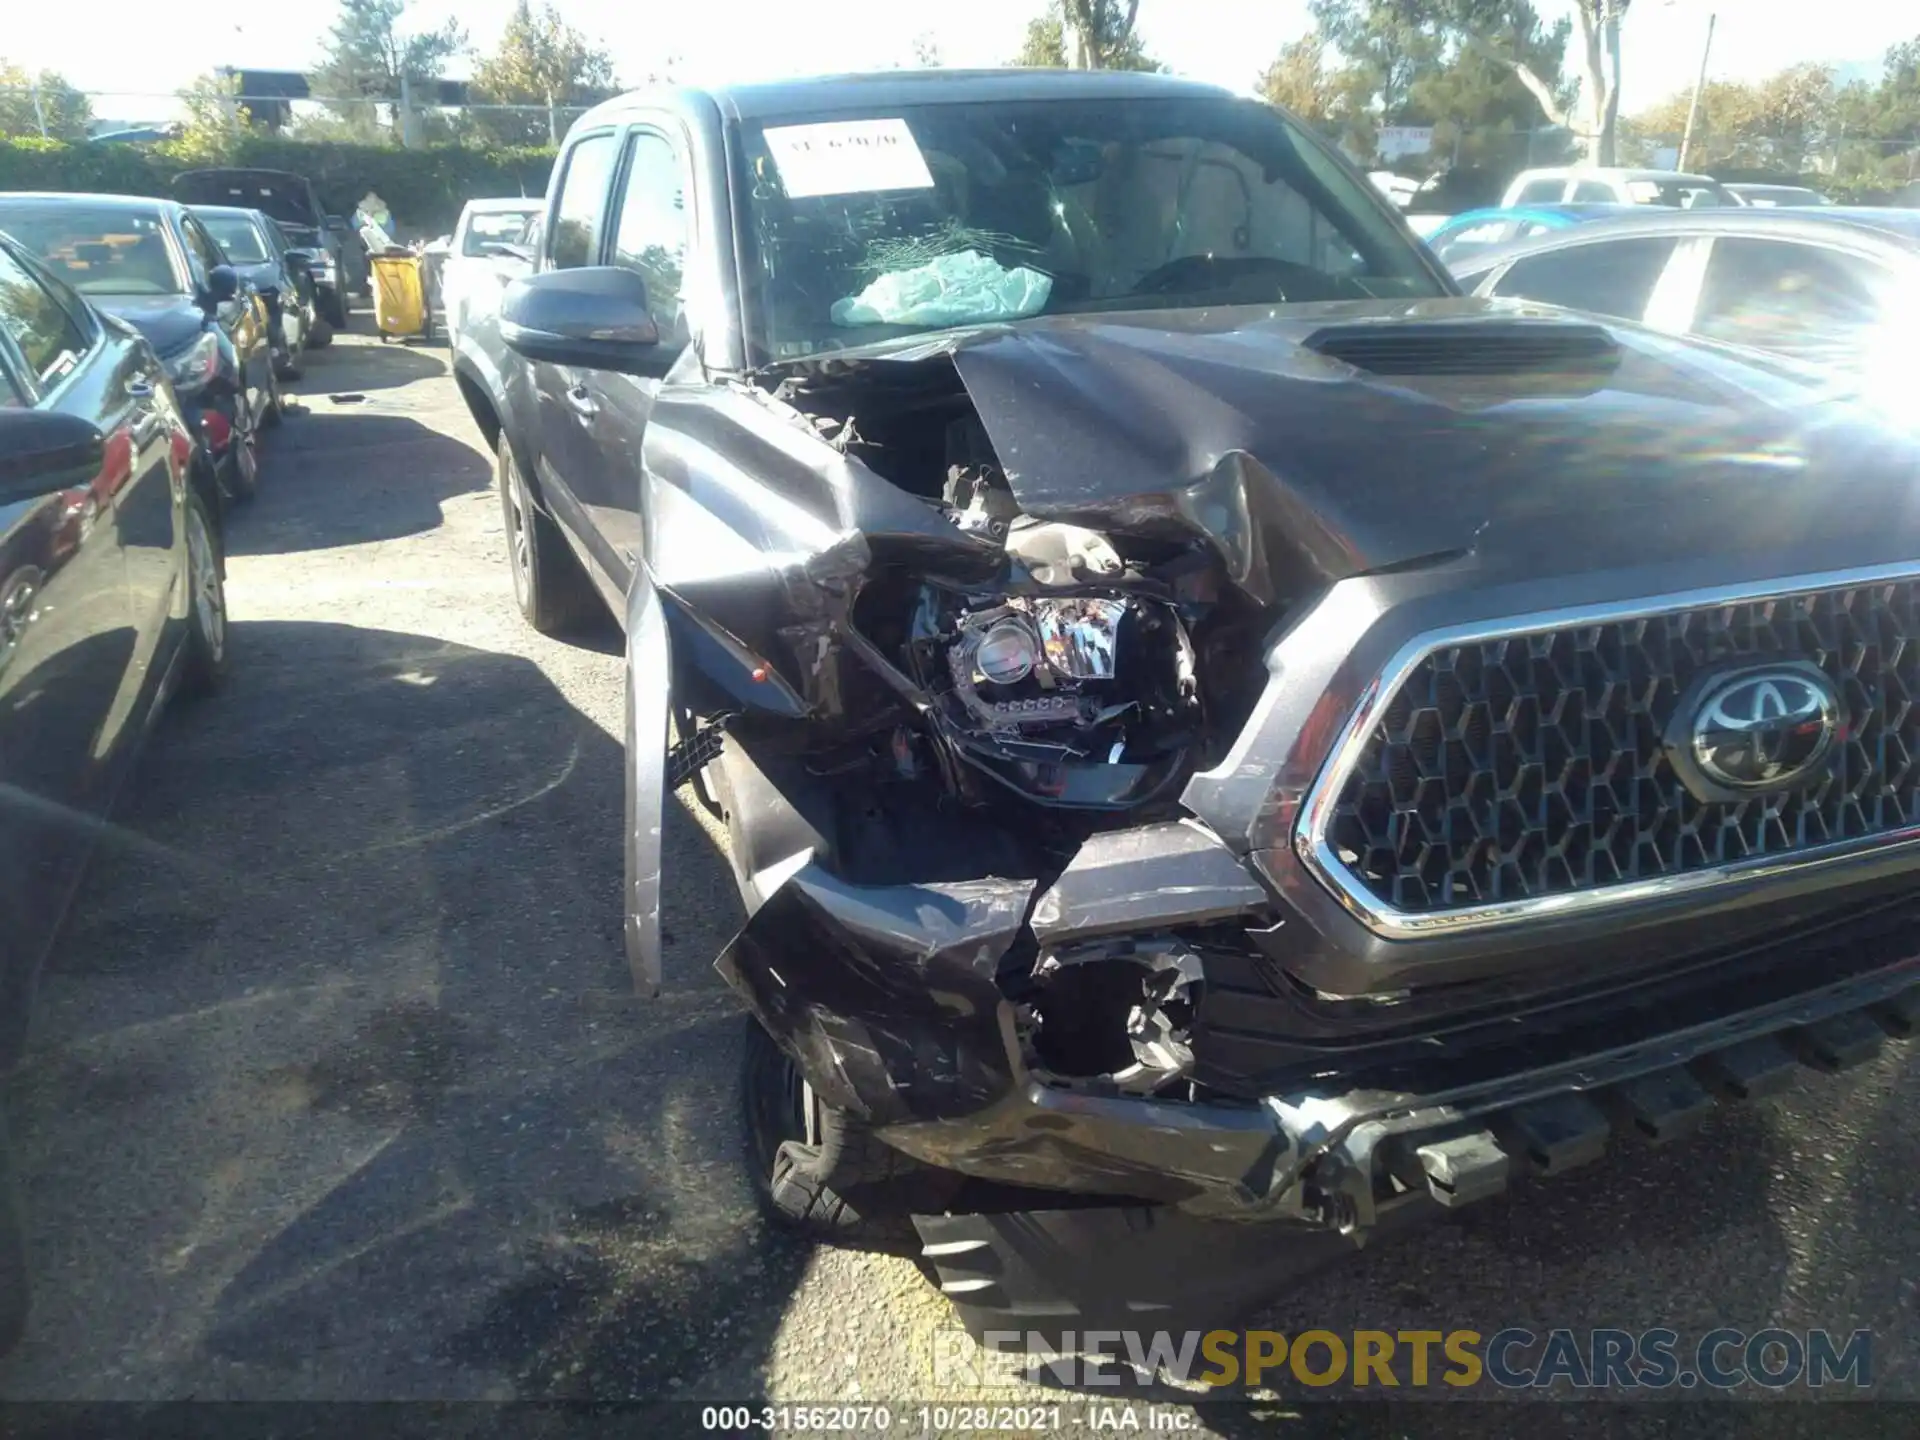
858,720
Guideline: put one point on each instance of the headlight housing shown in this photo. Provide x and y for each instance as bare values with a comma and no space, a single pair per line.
190,369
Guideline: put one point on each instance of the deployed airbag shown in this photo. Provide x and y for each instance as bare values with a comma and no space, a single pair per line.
960,289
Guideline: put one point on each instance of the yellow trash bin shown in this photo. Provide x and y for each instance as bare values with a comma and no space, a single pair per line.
400,296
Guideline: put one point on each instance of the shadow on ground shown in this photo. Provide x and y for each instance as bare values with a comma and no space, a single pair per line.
384,365
341,1089
348,474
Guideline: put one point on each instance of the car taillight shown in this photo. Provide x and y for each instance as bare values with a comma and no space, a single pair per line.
217,428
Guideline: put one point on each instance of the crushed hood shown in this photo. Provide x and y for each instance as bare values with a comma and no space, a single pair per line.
1318,442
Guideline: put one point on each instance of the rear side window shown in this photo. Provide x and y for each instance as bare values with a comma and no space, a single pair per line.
1801,300
581,212
1592,192
1609,278
1540,192
50,339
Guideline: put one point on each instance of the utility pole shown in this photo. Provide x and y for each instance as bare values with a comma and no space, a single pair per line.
1699,84
39,110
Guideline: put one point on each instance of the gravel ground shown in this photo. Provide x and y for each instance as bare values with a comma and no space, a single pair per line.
338,1089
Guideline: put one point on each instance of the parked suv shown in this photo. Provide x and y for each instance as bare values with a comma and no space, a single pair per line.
1227,746
295,207
1593,185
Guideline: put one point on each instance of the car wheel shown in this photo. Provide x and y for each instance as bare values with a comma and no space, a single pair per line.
320,336
553,592
334,309
14,1276
205,663
240,467
817,1170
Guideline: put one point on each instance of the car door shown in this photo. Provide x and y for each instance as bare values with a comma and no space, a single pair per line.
564,437
1615,277
68,649
1809,302
651,230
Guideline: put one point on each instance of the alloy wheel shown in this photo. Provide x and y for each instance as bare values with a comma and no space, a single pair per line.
203,576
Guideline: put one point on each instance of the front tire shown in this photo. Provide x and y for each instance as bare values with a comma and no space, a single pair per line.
818,1171
552,591
204,667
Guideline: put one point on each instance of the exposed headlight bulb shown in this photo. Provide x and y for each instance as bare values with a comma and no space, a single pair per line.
1007,652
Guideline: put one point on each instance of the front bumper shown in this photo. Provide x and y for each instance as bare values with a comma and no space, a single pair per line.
894,1003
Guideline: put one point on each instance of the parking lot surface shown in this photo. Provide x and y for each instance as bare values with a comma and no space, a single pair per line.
339,1090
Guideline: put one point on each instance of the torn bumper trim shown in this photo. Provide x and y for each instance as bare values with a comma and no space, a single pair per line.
1345,1160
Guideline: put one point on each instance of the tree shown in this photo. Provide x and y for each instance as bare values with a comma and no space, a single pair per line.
1598,116
370,58
1086,35
1298,80
1422,63
1877,140
62,112
543,61
926,51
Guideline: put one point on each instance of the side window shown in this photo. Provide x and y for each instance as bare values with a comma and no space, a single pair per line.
1540,192
652,229
201,250
51,341
1592,192
1608,278
582,210
1796,299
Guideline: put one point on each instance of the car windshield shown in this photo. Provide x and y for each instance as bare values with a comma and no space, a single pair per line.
98,249
933,216
238,237
491,228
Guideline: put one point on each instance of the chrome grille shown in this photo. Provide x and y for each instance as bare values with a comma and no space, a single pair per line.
1531,766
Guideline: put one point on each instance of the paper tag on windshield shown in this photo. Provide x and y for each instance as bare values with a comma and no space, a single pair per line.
847,157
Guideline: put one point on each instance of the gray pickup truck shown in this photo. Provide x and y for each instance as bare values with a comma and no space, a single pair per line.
1228,746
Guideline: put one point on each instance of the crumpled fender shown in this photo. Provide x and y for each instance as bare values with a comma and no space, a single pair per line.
648,710
885,996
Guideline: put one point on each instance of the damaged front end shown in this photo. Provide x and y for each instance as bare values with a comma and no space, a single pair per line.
1011,664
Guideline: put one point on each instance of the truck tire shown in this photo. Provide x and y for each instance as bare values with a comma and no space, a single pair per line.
840,1185
549,586
14,1279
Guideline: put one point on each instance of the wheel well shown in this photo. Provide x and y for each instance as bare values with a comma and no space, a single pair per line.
480,406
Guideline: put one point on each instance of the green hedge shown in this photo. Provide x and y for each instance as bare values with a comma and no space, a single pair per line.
423,188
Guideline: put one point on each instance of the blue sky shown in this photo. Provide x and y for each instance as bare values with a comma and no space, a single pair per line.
1224,41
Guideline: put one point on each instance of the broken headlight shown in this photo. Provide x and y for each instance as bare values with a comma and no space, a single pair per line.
1085,699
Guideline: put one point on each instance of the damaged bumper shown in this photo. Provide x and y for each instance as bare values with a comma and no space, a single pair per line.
905,1005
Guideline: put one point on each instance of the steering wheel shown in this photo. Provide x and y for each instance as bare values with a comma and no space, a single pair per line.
1201,273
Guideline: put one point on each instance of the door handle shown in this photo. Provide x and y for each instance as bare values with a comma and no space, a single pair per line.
582,402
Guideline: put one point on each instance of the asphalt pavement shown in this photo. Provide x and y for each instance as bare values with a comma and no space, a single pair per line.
338,1088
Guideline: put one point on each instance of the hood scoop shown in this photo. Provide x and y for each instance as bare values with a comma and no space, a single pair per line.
1510,347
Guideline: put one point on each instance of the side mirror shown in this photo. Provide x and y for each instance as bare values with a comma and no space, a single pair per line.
299,259
42,451
594,318
223,283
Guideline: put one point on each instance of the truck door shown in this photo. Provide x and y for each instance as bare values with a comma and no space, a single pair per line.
651,230
565,436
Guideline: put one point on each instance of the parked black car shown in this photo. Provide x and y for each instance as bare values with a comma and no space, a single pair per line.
1834,288
1212,725
356,265
111,599
294,205
152,264
278,274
